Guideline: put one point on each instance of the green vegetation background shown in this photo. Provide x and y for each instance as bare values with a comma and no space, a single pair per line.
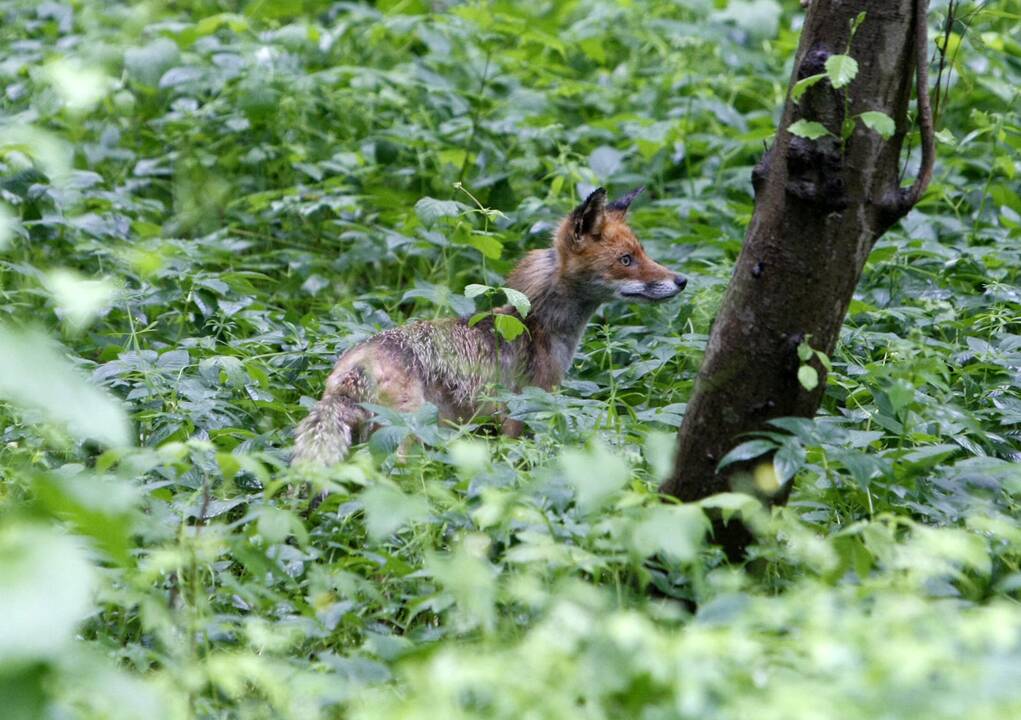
202,203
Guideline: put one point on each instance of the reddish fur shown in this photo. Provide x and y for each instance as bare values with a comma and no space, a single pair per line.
599,253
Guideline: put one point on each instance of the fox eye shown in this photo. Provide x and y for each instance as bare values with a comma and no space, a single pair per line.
625,260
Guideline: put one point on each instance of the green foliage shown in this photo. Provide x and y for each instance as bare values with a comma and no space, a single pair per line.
202,203
841,70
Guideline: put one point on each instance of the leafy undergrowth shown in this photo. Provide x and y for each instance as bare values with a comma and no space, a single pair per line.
199,210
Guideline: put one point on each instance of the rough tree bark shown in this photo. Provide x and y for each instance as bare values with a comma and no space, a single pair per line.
819,209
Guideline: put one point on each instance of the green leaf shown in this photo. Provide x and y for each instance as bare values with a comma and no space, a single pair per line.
469,456
732,503
387,509
880,122
519,300
841,69
808,376
35,374
508,326
677,531
274,524
429,210
78,299
387,439
467,575
788,460
99,506
474,290
486,244
659,453
900,393
802,85
747,451
596,475
147,63
824,359
47,584
808,129
856,23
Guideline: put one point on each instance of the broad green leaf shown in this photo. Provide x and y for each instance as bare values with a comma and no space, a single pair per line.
52,152
387,510
474,290
467,575
80,86
759,18
730,504
101,507
508,326
595,473
35,374
880,122
78,299
387,439
470,456
47,584
676,531
841,69
429,210
747,451
274,524
659,452
147,63
808,129
788,460
802,85
808,376
518,299
486,244
605,161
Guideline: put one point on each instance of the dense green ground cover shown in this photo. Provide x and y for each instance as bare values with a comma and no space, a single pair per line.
199,210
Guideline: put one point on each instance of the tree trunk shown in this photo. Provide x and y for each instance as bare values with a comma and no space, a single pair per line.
820,206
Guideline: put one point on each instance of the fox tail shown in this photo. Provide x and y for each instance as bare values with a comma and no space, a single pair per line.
326,435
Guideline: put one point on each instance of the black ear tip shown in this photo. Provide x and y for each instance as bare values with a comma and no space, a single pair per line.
624,203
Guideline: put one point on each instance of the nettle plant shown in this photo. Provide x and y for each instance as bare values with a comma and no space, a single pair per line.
489,246
841,70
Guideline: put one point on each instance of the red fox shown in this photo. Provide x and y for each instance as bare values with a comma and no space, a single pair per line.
595,258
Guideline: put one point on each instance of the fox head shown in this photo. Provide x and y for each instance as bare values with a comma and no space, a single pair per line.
602,259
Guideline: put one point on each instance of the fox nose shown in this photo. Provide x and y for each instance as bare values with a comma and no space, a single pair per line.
680,281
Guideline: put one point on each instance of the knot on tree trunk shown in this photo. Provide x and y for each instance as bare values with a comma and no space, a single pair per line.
814,62
815,172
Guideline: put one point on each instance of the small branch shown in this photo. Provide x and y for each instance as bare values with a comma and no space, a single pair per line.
938,102
909,198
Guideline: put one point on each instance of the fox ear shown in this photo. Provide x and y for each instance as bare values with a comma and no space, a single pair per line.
587,218
623,203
